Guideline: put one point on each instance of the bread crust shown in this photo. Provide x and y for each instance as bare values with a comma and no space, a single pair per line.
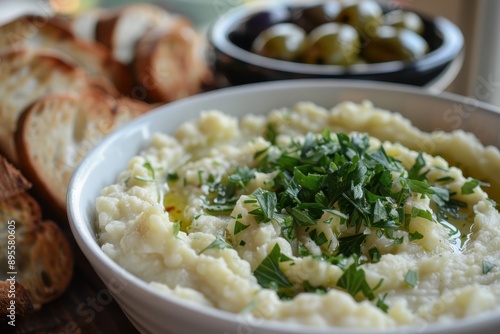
119,29
57,131
25,76
84,25
12,182
22,299
56,36
44,257
170,62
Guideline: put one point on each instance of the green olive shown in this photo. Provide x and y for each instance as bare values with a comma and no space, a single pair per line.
391,44
404,19
285,41
312,16
333,44
364,15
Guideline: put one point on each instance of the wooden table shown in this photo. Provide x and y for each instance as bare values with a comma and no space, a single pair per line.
85,307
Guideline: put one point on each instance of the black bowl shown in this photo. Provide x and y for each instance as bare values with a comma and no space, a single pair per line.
229,54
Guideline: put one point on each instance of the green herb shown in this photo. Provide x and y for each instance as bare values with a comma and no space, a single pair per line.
269,275
411,278
353,280
249,307
176,227
271,133
239,226
218,243
172,177
416,212
267,202
337,213
242,243
381,303
151,171
446,179
219,209
143,179
150,168
414,172
469,186
351,244
415,236
241,176
319,290
355,185
374,254
200,177
398,241
487,266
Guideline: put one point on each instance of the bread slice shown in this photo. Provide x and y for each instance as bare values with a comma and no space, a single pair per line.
170,62
25,76
57,131
22,299
55,34
12,182
44,257
121,28
84,24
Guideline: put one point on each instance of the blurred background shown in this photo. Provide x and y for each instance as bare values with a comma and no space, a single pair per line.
477,76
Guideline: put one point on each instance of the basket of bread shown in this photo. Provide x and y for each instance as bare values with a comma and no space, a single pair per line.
65,84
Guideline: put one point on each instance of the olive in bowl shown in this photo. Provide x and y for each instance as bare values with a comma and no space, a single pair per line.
423,51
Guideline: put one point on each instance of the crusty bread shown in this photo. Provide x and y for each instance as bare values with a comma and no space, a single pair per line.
12,182
56,132
170,61
26,75
121,28
84,24
55,35
22,299
43,255
44,258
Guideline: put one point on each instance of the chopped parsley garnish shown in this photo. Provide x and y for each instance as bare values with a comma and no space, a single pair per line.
333,177
172,177
319,290
241,176
415,236
374,254
218,243
176,228
487,266
239,226
469,186
151,171
269,275
411,278
353,281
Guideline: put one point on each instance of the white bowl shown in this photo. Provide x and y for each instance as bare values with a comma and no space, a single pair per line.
152,312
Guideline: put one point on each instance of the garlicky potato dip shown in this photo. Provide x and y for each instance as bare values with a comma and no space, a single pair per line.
323,217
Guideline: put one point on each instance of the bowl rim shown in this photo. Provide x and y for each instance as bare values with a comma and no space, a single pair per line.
218,37
79,221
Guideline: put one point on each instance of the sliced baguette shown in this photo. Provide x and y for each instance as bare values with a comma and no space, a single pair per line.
22,301
44,258
170,62
12,182
84,24
57,131
26,75
53,34
121,28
